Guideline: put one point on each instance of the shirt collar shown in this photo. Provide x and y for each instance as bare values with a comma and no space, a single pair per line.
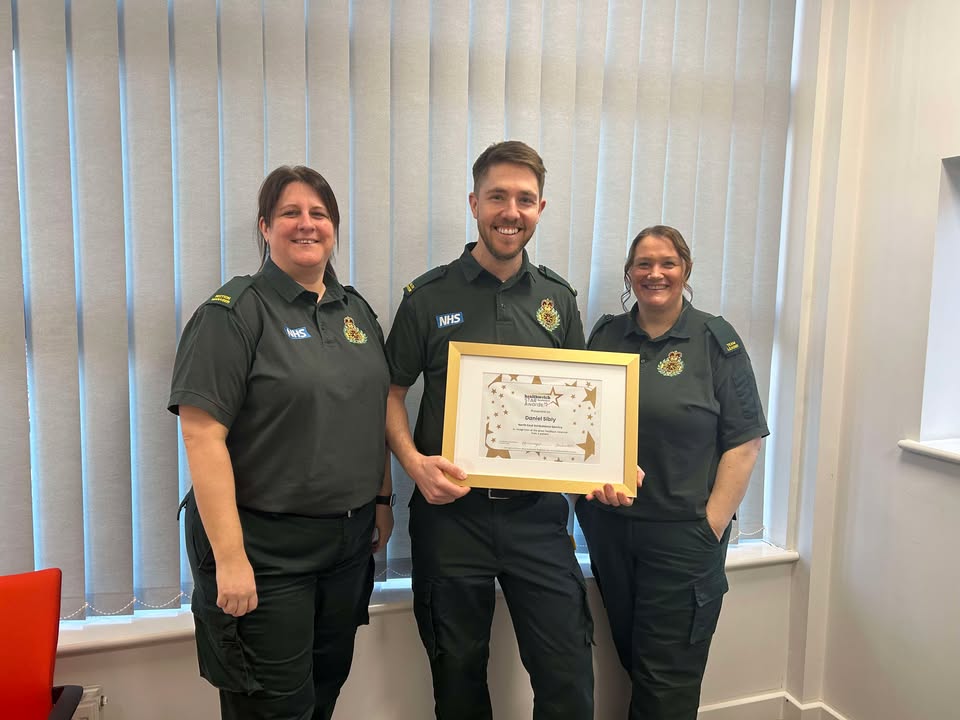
679,329
289,289
472,269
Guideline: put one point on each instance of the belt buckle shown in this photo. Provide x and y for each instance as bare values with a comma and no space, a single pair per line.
492,496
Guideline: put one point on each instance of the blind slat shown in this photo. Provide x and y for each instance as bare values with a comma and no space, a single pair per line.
95,68
16,532
149,192
285,68
50,292
242,160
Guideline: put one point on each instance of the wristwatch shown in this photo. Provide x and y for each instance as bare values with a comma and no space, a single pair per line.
390,500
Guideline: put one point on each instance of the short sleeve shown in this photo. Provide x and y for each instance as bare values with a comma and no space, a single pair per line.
741,413
213,363
405,348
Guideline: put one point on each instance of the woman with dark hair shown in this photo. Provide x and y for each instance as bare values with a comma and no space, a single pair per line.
281,385
659,562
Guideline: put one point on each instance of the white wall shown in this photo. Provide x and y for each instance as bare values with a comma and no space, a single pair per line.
874,629
390,679
893,640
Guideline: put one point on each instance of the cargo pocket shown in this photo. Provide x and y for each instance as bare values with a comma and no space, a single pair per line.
423,612
708,597
587,615
199,551
363,603
220,652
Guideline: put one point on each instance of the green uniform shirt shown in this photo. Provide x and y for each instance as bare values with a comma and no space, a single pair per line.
300,385
462,301
698,399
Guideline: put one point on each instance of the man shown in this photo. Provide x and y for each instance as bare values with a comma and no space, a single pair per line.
463,538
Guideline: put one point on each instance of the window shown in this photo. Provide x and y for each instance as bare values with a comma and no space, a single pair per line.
940,417
133,147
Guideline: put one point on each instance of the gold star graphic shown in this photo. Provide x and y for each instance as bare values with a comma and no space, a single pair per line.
491,452
497,379
590,396
589,446
553,392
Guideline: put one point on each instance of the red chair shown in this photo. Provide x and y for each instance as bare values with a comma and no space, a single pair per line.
29,628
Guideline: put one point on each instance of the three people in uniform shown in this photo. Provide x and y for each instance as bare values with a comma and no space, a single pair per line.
281,522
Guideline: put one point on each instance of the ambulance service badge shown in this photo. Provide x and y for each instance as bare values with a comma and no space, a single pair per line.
671,365
548,316
352,332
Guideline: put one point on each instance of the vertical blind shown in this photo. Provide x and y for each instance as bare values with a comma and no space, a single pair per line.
134,136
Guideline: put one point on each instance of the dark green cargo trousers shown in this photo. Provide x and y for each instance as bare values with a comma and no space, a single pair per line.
522,542
662,584
288,659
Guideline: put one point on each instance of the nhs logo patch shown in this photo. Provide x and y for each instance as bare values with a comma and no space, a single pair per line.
299,333
448,319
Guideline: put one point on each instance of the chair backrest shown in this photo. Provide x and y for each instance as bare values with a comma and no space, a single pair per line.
29,629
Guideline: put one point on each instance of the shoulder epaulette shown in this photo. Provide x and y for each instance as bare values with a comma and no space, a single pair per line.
428,277
231,291
604,319
551,275
353,291
726,337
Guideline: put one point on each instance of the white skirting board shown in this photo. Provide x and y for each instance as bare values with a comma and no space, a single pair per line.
91,702
769,706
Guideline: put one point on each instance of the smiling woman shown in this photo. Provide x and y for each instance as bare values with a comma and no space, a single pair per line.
281,523
299,223
699,430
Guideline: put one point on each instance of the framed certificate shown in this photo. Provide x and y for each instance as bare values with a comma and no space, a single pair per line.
529,418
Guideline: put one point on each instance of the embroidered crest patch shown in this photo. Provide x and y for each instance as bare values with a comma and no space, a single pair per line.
547,315
671,365
352,332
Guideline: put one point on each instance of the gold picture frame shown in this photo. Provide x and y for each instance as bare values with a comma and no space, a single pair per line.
514,414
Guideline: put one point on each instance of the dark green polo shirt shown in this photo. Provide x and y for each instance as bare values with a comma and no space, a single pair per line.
695,404
462,301
300,385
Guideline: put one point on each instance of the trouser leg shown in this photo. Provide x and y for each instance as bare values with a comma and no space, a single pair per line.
342,602
453,596
680,586
263,663
545,592
614,571
663,586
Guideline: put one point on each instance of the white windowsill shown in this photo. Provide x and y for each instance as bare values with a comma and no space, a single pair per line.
946,450
98,635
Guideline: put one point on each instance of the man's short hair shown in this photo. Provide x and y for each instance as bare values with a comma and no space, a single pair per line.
513,152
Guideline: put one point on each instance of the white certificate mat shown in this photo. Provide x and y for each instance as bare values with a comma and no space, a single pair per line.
542,418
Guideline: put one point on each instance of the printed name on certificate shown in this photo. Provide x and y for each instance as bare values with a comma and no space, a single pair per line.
540,418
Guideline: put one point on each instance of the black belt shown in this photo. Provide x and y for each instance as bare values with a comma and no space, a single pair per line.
497,494
325,516
341,515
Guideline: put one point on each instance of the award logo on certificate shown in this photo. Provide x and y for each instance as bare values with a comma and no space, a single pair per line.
541,418
546,419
